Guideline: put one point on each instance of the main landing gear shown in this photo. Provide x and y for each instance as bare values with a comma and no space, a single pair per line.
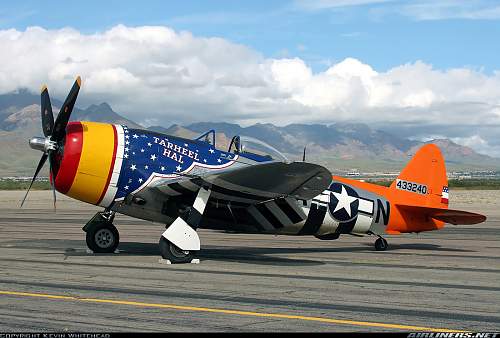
101,235
179,242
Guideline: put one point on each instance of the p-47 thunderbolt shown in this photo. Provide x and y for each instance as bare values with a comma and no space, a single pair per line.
249,188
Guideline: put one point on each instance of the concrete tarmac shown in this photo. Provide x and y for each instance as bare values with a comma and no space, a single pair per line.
439,280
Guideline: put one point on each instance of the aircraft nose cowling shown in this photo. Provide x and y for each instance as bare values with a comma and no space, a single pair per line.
68,163
88,169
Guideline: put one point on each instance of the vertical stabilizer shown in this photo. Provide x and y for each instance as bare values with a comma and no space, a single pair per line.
423,181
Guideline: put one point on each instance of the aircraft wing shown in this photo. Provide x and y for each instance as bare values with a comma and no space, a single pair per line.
259,182
447,215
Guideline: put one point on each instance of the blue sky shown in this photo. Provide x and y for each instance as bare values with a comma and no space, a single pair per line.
384,34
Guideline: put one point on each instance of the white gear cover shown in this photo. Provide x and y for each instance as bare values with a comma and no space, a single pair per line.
182,235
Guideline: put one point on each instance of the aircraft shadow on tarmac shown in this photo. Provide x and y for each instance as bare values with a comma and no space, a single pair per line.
251,255
421,247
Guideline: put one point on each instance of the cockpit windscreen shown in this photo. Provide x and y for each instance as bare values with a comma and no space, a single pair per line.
255,149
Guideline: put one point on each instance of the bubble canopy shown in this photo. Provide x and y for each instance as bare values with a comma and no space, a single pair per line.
255,149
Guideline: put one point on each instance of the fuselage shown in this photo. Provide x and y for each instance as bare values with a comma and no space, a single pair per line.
341,209
120,169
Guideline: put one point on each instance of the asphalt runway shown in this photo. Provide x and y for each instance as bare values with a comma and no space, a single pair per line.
438,280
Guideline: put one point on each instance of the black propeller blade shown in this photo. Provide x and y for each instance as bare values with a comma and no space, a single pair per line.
40,165
53,184
62,119
53,131
47,115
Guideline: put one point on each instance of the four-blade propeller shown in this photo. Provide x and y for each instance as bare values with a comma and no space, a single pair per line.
54,132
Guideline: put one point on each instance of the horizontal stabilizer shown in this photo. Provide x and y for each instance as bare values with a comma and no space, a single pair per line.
446,215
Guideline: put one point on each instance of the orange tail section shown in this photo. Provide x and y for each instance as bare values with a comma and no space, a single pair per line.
420,193
423,181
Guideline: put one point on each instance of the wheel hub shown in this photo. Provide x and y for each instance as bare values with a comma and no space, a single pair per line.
177,252
104,238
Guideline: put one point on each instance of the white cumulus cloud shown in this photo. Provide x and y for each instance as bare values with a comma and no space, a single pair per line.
153,73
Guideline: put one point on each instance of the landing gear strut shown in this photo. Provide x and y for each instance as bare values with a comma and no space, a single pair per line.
381,244
101,235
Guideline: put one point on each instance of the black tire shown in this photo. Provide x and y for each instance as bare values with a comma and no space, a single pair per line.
103,238
381,244
328,237
173,253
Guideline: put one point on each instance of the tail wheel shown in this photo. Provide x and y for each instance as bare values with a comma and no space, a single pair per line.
173,253
103,238
381,244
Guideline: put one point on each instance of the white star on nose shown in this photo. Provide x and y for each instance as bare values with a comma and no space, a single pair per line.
140,180
345,201
135,136
133,167
211,151
153,157
178,168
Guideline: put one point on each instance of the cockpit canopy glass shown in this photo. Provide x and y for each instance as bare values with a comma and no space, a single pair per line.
255,149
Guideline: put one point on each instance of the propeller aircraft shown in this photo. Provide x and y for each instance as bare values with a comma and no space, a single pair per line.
250,188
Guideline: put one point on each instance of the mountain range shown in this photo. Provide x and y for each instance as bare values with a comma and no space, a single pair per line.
339,146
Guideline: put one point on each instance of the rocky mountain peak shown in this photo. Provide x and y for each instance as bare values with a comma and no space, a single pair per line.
27,116
452,147
103,107
337,145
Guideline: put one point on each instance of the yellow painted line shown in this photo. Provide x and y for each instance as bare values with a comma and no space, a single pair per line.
230,312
